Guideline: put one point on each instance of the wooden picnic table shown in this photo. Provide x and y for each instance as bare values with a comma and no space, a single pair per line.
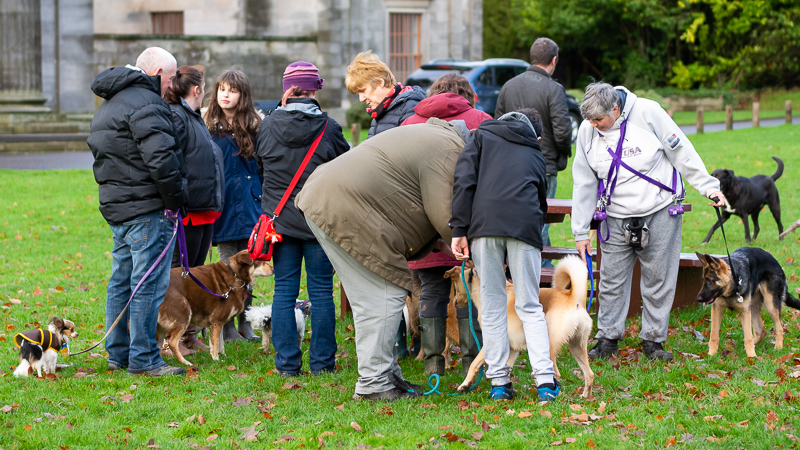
690,273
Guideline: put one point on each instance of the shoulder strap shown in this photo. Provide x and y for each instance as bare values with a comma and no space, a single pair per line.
300,171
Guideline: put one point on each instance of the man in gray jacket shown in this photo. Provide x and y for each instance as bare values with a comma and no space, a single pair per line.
536,89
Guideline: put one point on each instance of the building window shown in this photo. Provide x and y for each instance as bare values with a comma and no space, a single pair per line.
405,52
168,22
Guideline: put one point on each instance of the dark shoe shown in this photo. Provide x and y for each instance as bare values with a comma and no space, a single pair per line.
229,332
161,371
654,350
401,340
288,374
244,325
433,337
113,366
605,348
469,348
504,392
402,384
386,396
190,340
548,391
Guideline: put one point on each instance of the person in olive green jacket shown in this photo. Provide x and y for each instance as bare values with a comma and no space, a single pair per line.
373,209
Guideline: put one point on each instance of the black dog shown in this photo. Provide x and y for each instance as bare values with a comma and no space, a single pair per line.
747,196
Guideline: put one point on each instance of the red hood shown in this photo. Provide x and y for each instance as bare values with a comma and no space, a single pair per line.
443,106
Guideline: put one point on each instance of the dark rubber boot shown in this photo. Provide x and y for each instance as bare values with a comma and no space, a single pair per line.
605,348
244,326
229,332
401,340
190,340
433,332
469,348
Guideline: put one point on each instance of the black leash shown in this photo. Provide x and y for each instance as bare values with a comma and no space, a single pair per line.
730,261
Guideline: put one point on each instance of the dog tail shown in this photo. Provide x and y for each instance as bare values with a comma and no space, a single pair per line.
791,301
778,172
571,273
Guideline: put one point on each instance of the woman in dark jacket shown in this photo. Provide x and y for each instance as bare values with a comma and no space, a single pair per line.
389,103
204,171
233,122
284,139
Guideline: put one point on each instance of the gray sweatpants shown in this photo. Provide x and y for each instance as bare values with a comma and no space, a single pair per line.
524,262
659,262
377,308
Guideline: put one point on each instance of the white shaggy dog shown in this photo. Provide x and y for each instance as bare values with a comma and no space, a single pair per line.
260,318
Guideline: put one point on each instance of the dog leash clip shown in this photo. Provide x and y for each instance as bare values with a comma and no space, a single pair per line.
184,274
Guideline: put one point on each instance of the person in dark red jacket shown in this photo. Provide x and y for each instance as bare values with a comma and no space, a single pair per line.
451,98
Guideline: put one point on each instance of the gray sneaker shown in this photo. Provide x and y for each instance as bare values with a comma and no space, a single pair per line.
113,366
162,370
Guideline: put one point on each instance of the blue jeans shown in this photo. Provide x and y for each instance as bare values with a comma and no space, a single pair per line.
137,245
288,258
552,183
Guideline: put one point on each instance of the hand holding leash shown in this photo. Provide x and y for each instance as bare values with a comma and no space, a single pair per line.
584,247
460,248
718,199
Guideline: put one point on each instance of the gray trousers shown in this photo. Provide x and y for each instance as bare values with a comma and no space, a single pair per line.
524,262
659,262
377,308
229,248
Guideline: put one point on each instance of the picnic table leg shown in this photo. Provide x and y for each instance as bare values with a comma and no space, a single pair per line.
344,304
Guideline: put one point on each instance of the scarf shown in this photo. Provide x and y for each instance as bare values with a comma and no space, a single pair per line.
381,109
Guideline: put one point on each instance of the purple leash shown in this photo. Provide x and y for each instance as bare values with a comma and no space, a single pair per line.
147,274
184,257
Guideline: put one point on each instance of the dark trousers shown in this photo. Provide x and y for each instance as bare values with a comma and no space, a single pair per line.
198,239
435,294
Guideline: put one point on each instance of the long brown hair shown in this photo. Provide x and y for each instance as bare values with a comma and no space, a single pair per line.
185,79
245,120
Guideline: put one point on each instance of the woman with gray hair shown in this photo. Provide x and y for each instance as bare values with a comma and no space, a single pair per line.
629,164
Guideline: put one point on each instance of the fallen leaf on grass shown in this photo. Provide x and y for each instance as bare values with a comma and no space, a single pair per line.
445,427
557,443
339,406
291,385
8,408
173,424
251,435
15,301
524,414
477,436
671,441
126,398
212,438
772,420
356,426
190,418
723,393
201,420
545,413
744,423
590,443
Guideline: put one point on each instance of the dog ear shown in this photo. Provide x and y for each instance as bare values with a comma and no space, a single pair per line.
702,258
240,260
452,273
58,323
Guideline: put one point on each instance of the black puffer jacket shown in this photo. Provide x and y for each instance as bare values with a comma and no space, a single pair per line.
202,158
535,89
137,162
284,139
500,186
401,108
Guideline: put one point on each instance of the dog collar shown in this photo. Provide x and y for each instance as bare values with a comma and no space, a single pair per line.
43,338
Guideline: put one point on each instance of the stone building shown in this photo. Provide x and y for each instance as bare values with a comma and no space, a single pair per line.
79,38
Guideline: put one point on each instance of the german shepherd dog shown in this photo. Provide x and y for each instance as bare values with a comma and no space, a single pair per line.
761,283
564,311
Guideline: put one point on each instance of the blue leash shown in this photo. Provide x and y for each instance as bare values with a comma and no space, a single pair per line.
434,380
591,279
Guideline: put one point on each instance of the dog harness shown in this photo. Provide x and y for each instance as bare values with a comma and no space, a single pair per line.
604,191
44,338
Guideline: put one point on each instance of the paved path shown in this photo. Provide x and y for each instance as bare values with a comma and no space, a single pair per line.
83,160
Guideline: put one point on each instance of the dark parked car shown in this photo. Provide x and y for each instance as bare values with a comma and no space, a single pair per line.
486,78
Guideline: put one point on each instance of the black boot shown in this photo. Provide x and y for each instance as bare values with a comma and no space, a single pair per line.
605,348
244,325
433,330
469,348
654,350
229,332
401,340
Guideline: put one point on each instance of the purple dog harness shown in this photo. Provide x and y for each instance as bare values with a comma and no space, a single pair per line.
604,191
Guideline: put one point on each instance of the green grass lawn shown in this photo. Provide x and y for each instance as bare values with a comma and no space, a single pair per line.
54,260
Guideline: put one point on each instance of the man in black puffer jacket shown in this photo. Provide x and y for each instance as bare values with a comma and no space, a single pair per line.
138,166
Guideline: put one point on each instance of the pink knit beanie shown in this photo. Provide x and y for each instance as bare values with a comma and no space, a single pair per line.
303,75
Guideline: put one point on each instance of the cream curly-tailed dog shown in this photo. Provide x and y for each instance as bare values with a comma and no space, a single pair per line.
564,310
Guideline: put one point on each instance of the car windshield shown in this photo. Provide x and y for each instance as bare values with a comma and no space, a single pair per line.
425,78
